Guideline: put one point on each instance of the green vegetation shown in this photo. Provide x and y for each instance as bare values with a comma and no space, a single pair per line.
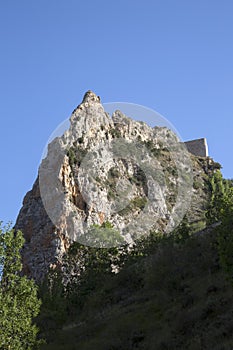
134,204
158,151
72,156
197,183
76,154
103,236
115,132
164,297
220,212
85,269
111,181
19,303
218,189
139,179
225,233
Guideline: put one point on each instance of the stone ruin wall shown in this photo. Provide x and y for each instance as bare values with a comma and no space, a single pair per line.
198,147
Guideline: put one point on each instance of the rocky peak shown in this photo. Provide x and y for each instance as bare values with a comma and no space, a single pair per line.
111,172
90,96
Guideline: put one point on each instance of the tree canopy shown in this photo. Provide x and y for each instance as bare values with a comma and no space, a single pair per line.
19,303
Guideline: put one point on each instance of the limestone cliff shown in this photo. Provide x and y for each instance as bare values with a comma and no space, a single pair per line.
114,170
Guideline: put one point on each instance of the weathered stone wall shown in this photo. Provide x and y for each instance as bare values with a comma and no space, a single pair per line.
198,147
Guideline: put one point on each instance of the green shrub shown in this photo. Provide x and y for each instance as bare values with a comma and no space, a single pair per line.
136,203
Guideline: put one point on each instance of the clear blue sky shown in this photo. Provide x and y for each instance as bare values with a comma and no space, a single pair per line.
173,56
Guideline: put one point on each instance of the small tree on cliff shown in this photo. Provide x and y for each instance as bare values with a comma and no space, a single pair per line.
225,234
19,303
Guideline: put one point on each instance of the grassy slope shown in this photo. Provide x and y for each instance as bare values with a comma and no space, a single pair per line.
178,298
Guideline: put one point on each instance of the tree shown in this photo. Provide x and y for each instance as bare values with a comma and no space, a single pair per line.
85,269
218,190
225,234
19,303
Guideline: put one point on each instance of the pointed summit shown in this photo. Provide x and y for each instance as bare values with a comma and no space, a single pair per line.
90,96
87,115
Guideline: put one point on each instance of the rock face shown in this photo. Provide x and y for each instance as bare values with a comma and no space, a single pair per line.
109,172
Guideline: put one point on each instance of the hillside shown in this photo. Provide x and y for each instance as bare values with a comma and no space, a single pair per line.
177,297
128,234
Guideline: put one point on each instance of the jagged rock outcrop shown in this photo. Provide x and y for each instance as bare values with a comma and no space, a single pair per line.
108,170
